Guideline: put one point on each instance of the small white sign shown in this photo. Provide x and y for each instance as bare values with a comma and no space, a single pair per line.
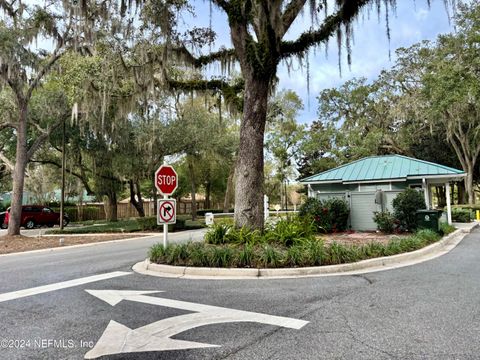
166,211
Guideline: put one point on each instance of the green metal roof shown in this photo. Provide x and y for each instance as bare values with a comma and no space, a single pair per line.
388,167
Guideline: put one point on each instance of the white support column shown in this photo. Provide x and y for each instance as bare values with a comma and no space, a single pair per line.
449,207
425,193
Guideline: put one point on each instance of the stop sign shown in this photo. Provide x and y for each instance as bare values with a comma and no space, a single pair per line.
166,180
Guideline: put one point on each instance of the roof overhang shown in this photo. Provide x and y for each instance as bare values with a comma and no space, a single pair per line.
436,178
321,182
440,179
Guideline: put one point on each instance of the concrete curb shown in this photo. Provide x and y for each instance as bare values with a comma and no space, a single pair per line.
365,266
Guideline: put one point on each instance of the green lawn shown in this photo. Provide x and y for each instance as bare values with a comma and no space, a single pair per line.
130,225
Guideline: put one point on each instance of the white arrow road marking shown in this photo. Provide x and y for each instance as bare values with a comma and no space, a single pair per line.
57,286
156,336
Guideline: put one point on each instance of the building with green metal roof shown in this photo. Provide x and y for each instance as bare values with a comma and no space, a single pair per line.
370,184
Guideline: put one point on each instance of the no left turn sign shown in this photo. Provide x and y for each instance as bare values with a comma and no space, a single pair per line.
166,213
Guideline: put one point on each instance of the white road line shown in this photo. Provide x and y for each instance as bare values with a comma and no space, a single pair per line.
61,285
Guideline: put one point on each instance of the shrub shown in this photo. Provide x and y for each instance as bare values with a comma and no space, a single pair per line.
385,221
147,223
329,216
462,215
405,206
338,211
311,207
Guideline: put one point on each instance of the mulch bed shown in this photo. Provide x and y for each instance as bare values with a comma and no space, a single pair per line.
13,244
361,238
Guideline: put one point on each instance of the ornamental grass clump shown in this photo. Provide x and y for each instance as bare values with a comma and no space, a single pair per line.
222,257
446,229
243,236
373,250
270,257
291,231
217,234
245,256
315,252
296,256
198,255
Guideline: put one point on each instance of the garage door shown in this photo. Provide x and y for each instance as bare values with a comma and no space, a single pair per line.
362,208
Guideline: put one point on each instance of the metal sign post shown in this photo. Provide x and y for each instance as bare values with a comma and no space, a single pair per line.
165,229
166,181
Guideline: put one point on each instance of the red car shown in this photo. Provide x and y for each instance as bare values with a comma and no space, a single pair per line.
37,215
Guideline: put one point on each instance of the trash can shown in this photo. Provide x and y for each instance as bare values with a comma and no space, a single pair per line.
429,219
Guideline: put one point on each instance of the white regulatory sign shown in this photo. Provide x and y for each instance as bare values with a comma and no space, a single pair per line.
166,211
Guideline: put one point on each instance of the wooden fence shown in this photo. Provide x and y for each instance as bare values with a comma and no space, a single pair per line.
124,210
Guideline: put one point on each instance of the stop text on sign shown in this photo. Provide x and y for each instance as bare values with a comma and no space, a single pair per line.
166,179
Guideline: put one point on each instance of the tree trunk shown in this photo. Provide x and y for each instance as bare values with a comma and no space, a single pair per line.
469,184
228,191
249,169
193,190
111,207
19,174
208,195
136,197
461,193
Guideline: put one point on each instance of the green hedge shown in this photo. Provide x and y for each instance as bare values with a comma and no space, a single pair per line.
463,215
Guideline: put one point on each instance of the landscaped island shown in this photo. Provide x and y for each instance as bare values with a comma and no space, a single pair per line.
294,241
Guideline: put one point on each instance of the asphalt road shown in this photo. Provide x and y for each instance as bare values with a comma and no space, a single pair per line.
427,311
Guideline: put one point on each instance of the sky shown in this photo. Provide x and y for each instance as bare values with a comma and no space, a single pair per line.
413,21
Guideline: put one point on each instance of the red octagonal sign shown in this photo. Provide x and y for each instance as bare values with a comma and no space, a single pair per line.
166,180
